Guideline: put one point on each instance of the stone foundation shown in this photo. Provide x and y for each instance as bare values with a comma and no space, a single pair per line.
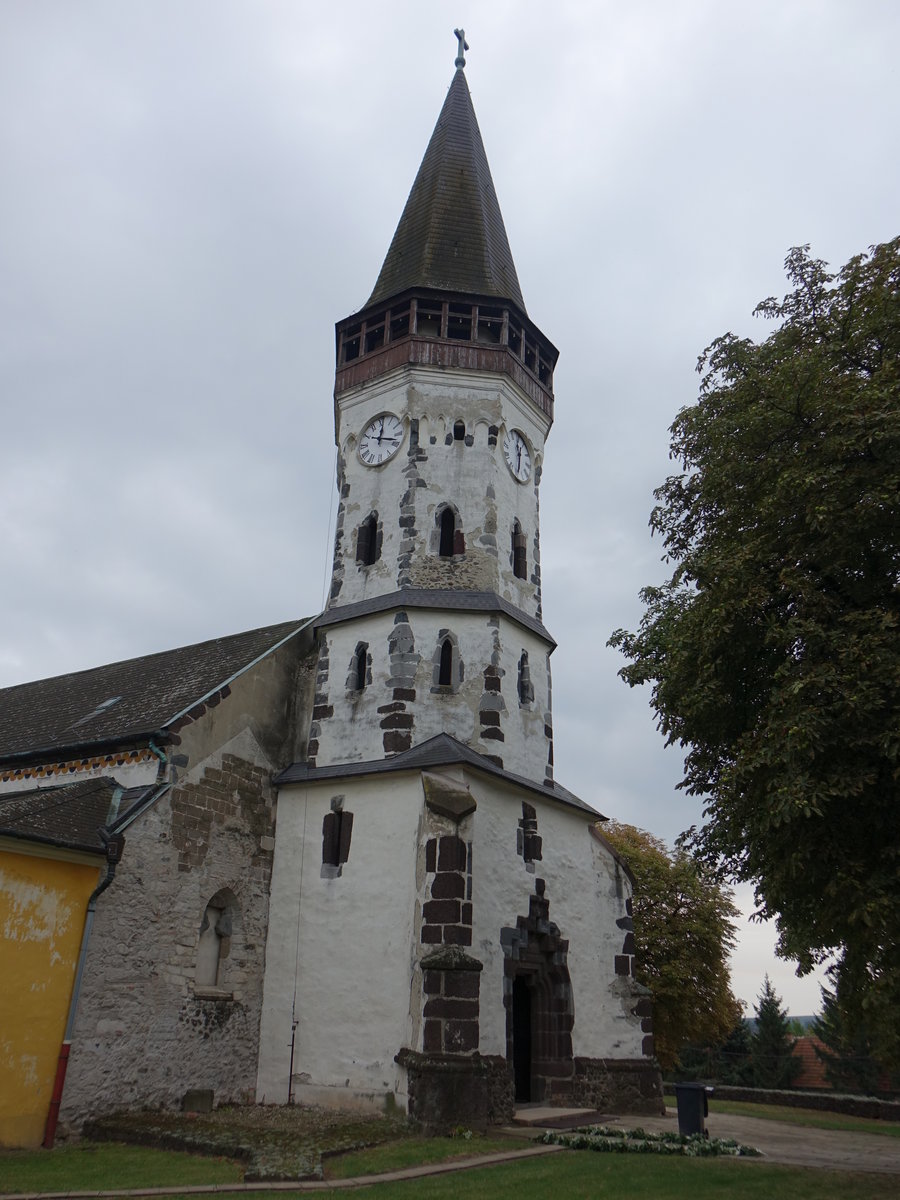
618,1085
447,1091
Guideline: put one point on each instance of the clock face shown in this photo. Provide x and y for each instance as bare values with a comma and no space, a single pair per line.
380,439
517,455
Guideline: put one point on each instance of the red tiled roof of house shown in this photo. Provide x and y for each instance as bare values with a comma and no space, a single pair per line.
812,1069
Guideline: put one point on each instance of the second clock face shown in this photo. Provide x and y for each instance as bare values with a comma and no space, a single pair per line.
517,455
380,439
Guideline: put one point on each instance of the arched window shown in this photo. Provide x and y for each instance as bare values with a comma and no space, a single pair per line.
359,671
445,669
214,944
459,431
368,541
519,554
526,687
448,530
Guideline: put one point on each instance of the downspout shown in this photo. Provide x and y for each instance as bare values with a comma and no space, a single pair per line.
161,755
115,844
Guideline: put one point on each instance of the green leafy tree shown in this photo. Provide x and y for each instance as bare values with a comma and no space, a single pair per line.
773,650
849,1054
772,1042
684,930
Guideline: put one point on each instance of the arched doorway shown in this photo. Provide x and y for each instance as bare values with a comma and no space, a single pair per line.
540,1012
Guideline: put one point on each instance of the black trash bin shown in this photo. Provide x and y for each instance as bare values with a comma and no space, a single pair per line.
693,1107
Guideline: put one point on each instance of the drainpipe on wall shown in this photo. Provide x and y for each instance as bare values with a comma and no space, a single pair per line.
160,754
115,844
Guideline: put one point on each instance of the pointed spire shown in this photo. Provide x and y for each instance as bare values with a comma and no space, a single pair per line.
451,235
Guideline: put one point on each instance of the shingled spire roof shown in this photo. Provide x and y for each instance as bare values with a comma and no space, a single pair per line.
451,235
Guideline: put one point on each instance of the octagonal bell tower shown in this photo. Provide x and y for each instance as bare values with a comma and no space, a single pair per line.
443,403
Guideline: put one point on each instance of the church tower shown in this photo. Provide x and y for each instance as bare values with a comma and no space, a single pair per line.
448,931
443,403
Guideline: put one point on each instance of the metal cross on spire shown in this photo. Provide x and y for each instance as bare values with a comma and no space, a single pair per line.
460,35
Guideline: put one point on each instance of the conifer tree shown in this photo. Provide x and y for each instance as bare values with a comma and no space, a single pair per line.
774,1065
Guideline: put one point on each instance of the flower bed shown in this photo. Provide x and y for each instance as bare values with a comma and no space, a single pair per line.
606,1140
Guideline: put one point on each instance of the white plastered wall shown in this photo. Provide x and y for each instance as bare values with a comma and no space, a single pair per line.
340,951
354,732
473,478
586,892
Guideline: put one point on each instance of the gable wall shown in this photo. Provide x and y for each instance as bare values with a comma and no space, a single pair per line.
146,1032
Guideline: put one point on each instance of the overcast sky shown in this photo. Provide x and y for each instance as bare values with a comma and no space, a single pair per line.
192,192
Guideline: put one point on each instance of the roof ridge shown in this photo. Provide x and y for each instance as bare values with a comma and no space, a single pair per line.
120,662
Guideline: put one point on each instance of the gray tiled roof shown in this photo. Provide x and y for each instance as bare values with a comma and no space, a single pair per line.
451,235
454,599
438,751
61,816
126,700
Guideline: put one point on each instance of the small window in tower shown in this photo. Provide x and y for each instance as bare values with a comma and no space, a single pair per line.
545,373
368,541
519,554
359,668
528,842
514,337
448,530
530,354
526,687
337,829
445,671
459,431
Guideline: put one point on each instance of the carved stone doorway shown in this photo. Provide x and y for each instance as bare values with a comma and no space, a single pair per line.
540,1011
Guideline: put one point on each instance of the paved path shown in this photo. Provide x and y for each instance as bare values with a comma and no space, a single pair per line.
796,1145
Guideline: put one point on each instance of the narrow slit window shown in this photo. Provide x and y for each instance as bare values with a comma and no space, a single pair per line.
368,541
445,671
448,529
337,829
360,666
519,553
526,687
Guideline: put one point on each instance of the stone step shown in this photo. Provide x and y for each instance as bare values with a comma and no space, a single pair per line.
552,1117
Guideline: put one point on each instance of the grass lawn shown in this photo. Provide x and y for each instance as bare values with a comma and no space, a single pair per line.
582,1175
90,1166
570,1175
810,1117
410,1152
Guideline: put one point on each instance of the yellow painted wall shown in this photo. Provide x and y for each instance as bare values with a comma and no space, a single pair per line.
42,907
